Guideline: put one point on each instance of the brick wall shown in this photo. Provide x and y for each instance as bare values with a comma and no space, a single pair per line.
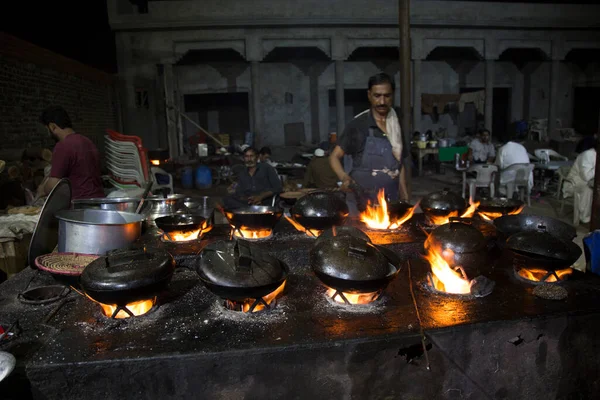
32,78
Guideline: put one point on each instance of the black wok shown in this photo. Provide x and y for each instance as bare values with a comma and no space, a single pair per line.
350,286
398,210
320,211
241,293
510,224
499,205
180,223
253,217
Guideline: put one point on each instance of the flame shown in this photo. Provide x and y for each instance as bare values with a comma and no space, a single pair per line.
310,232
444,219
183,236
245,306
446,279
471,210
377,217
155,162
490,216
246,233
537,274
353,298
136,308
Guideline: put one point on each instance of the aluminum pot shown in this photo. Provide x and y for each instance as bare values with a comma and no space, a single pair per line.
202,205
158,206
96,231
126,204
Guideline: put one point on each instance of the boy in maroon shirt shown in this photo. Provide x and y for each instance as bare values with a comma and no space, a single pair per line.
75,157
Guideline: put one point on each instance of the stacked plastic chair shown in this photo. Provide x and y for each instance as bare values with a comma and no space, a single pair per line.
127,162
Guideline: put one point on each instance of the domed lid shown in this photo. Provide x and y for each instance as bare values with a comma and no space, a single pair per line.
457,235
239,264
443,200
350,258
541,243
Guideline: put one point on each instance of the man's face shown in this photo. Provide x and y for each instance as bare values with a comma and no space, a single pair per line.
51,128
381,98
264,157
250,159
485,137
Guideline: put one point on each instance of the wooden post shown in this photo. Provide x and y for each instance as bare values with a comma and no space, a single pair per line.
405,92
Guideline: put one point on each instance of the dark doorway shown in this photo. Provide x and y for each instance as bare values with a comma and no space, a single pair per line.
501,114
586,109
355,102
226,113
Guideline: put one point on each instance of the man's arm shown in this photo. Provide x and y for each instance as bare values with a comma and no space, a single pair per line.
403,190
336,165
275,187
46,186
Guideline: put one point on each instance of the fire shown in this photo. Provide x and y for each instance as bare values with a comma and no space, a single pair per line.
542,275
444,219
183,236
490,216
246,233
246,305
155,162
137,308
353,298
377,217
310,232
444,278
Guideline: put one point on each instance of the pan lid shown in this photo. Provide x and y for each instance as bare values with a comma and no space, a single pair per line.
320,204
499,204
127,270
541,243
239,264
45,234
349,257
443,200
457,235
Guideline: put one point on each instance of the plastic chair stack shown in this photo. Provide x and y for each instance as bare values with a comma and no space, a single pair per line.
127,162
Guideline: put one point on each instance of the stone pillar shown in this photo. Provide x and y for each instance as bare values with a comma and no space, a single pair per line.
170,113
552,114
489,93
339,96
256,108
417,95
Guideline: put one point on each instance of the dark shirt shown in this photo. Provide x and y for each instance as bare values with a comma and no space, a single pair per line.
354,137
319,174
265,179
77,159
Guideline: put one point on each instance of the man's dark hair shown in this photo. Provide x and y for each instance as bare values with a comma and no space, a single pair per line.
250,149
482,131
265,150
381,79
58,115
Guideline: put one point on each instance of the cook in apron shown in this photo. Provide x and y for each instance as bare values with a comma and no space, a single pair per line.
377,155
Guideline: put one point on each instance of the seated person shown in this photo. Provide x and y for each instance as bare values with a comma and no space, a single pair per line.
264,155
319,173
578,181
586,143
509,154
256,183
481,149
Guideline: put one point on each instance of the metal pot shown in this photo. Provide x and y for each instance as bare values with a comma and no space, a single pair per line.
467,245
203,206
508,225
96,231
499,205
253,217
126,204
158,206
320,210
443,203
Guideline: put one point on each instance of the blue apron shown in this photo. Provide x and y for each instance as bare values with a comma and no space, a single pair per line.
377,154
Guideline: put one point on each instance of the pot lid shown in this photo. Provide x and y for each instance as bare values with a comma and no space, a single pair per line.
343,231
320,204
350,258
239,264
499,204
541,243
444,200
458,236
45,234
127,270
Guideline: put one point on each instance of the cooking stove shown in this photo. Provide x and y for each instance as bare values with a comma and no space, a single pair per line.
505,345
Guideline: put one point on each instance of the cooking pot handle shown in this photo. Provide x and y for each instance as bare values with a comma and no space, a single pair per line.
243,257
541,227
357,250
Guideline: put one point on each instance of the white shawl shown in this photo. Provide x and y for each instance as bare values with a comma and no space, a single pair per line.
394,132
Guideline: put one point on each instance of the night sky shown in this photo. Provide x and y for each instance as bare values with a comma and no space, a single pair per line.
75,29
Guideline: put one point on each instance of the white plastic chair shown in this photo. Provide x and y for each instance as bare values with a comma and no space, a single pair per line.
548,154
520,178
484,178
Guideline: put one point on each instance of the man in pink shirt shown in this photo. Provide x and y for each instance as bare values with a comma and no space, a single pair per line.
75,157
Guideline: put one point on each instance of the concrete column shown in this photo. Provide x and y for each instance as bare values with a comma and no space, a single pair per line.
489,93
552,114
417,95
171,114
339,96
256,109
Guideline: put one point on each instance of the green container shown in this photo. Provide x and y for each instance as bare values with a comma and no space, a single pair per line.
446,154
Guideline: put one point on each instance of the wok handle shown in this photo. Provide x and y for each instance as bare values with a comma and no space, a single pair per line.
243,257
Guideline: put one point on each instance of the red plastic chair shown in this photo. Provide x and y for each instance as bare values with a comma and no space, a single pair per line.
116,136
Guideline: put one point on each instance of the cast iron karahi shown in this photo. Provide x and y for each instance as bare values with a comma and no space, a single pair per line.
541,250
467,243
508,225
320,210
253,217
500,205
442,203
349,263
180,223
127,276
238,270
398,210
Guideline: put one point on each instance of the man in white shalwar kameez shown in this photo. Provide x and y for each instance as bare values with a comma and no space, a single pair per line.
577,182
509,154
